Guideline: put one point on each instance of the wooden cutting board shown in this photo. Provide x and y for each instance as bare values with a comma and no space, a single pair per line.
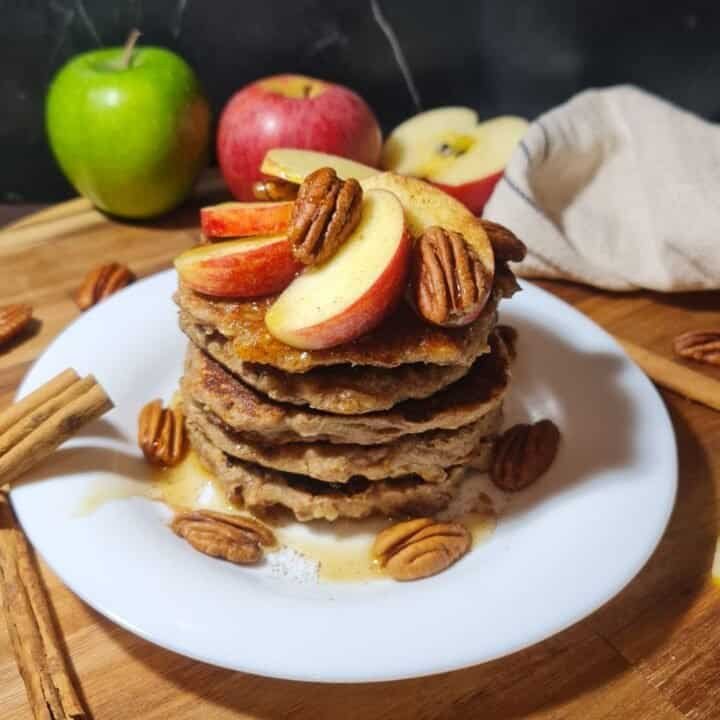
653,652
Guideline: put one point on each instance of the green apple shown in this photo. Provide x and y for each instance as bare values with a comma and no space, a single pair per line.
129,128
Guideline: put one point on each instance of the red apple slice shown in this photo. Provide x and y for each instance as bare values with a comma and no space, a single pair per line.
350,294
426,205
236,219
448,147
295,165
240,268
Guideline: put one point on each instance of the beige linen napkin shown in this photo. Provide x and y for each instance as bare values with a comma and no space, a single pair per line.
618,189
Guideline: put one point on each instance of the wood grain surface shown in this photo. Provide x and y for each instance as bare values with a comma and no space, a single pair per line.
651,653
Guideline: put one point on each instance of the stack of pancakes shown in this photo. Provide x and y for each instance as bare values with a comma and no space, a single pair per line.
386,424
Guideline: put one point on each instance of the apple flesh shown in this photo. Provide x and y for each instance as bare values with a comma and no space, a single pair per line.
239,268
236,219
292,111
351,293
295,165
450,148
427,205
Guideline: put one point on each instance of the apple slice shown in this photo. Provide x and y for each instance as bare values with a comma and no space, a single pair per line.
448,147
295,165
239,268
243,219
427,205
347,296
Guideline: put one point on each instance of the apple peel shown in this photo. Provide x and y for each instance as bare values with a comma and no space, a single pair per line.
240,219
239,268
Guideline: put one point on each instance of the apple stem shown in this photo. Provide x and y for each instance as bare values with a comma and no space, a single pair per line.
129,47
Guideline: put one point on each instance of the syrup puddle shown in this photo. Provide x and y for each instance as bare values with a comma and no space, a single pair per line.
340,551
114,488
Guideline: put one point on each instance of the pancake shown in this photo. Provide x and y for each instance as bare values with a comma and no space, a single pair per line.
340,389
426,455
259,489
474,398
402,338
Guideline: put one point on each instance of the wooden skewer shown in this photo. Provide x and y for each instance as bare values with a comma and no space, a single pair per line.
674,376
29,431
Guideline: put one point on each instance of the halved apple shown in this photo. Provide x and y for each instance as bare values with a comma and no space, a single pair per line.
239,268
243,219
347,296
295,165
450,148
427,205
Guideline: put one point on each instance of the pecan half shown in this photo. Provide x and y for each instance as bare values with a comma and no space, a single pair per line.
235,538
523,453
505,244
161,434
327,210
13,320
102,282
448,281
700,345
274,189
419,548
508,334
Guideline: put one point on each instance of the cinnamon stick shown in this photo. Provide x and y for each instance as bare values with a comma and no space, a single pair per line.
35,399
674,376
25,425
29,431
52,432
30,626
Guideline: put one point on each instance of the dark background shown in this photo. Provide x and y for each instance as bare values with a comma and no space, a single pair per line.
499,56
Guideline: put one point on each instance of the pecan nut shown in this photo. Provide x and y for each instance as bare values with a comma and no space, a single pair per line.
420,548
13,320
161,434
235,538
505,244
523,453
102,282
449,282
274,189
326,211
700,345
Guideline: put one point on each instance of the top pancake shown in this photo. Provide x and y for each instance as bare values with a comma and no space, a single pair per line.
402,338
341,389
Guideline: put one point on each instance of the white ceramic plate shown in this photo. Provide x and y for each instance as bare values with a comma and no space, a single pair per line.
562,549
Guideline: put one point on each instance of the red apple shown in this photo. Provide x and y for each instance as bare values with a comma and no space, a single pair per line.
292,111
352,292
451,149
234,219
239,268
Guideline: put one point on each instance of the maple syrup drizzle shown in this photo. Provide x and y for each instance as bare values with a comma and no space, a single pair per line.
341,549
